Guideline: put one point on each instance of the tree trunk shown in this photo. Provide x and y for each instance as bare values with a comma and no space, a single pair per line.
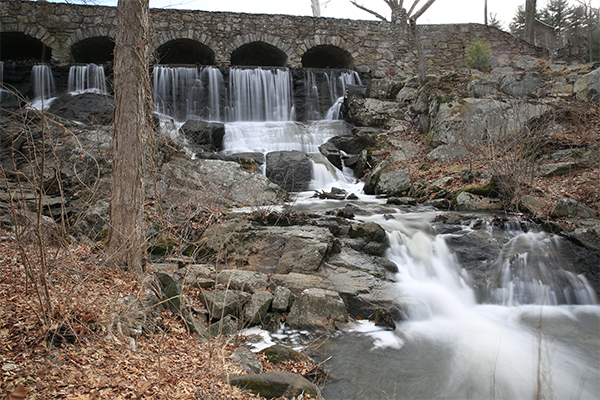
126,234
530,21
422,61
485,14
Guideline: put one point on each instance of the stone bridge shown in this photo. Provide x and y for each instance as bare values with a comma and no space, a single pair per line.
63,34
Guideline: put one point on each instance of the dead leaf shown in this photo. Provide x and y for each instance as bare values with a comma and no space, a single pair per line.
18,393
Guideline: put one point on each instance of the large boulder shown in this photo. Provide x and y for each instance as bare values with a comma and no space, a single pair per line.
291,170
371,181
222,179
448,154
221,303
271,249
208,136
572,208
523,84
275,384
472,121
394,183
372,112
317,308
89,108
248,281
472,202
587,88
256,309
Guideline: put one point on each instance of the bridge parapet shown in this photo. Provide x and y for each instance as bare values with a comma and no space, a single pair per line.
73,33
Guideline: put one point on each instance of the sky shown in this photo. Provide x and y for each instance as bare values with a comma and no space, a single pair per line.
442,11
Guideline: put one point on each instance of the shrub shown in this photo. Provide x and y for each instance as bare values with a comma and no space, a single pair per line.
479,53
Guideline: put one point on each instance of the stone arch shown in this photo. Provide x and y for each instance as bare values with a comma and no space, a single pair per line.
185,51
17,46
270,51
163,38
83,43
327,56
97,50
259,54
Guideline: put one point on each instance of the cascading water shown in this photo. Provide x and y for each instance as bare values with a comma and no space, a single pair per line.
453,348
43,86
260,95
258,108
87,79
325,93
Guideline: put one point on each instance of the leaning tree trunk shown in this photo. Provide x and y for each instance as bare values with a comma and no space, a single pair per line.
126,237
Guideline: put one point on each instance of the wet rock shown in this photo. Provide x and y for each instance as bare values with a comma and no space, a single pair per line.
88,108
247,281
275,384
317,308
278,354
588,235
384,319
292,170
207,136
331,153
373,238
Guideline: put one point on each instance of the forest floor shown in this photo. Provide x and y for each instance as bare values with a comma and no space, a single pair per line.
80,355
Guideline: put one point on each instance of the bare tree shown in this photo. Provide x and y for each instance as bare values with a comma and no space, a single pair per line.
530,6
316,8
399,14
126,234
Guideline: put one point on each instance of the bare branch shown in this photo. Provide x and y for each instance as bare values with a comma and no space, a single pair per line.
370,11
412,8
422,10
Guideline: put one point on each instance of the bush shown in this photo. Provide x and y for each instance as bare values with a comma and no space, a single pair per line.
479,53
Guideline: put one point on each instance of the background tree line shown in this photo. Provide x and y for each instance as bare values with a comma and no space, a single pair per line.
558,21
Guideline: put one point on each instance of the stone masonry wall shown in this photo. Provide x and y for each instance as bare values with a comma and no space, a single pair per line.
382,47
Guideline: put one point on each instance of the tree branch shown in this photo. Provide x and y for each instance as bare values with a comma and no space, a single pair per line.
370,11
422,10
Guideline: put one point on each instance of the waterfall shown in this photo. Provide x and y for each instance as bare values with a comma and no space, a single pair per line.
260,95
87,78
530,270
43,86
325,92
520,347
3,92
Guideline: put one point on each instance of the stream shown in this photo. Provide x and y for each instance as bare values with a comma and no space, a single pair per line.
532,334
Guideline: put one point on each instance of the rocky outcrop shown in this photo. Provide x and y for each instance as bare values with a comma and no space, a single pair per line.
587,88
394,183
275,384
291,170
317,308
222,178
87,108
473,121
204,136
